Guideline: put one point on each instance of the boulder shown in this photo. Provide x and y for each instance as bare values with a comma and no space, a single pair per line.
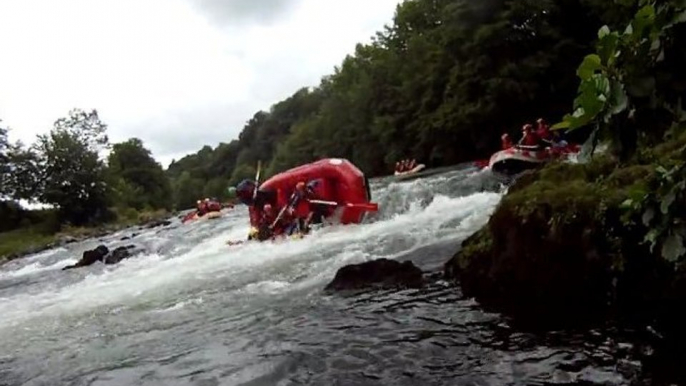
121,253
157,223
103,254
380,273
90,257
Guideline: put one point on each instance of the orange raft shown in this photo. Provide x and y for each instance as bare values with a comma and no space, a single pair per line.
333,180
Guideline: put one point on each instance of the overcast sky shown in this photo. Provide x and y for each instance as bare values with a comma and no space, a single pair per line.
178,74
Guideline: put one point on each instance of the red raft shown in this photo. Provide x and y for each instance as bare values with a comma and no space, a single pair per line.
334,180
516,159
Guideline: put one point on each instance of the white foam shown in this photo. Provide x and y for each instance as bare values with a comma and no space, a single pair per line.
35,268
250,268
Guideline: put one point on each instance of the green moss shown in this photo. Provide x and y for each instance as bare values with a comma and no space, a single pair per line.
600,167
475,247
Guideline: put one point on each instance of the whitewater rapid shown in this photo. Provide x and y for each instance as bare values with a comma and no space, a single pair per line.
192,308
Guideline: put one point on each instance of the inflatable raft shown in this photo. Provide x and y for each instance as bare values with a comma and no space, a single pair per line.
193,216
333,180
415,170
517,159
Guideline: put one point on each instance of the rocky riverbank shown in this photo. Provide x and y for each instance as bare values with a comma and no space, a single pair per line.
24,242
575,243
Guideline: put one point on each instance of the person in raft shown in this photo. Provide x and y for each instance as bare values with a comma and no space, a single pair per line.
270,225
529,137
299,209
201,208
212,205
505,141
543,132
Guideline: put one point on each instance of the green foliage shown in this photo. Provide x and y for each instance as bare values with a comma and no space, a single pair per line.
632,75
71,171
138,181
4,161
187,190
661,206
440,84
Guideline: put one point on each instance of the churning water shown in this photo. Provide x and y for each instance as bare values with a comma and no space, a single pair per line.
194,311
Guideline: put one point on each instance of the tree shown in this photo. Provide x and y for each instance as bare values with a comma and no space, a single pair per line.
71,173
138,180
4,161
187,190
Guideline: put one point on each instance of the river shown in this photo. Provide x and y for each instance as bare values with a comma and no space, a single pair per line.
194,311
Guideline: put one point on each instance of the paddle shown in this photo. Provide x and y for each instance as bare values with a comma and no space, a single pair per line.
371,206
257,179
279,216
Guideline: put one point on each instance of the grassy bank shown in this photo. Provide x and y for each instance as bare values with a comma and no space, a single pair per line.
37,237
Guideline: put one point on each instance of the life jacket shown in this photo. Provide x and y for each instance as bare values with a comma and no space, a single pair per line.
214,206
530,139
544,133
301,205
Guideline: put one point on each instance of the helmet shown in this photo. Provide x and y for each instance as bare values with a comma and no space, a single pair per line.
198,202
245,187
245,190
207,199
527,127
540,120
504,136
232,191
300,186
267,207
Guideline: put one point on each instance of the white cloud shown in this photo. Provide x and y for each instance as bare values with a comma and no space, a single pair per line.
176,73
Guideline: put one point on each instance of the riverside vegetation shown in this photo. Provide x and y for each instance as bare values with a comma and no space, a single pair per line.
581,242
440,84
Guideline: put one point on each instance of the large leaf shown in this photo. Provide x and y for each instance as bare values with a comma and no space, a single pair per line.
648,216
673,247
589,66
607,46
618,98
645,18
667,202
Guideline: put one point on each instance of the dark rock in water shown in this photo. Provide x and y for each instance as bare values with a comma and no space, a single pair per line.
101,253
380,273
121,253
155,224
90,257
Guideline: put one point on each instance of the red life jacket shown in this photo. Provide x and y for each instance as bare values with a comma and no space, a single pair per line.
530,139
302,207
543,132
214,206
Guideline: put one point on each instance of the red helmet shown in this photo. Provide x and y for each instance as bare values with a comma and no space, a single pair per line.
300,186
